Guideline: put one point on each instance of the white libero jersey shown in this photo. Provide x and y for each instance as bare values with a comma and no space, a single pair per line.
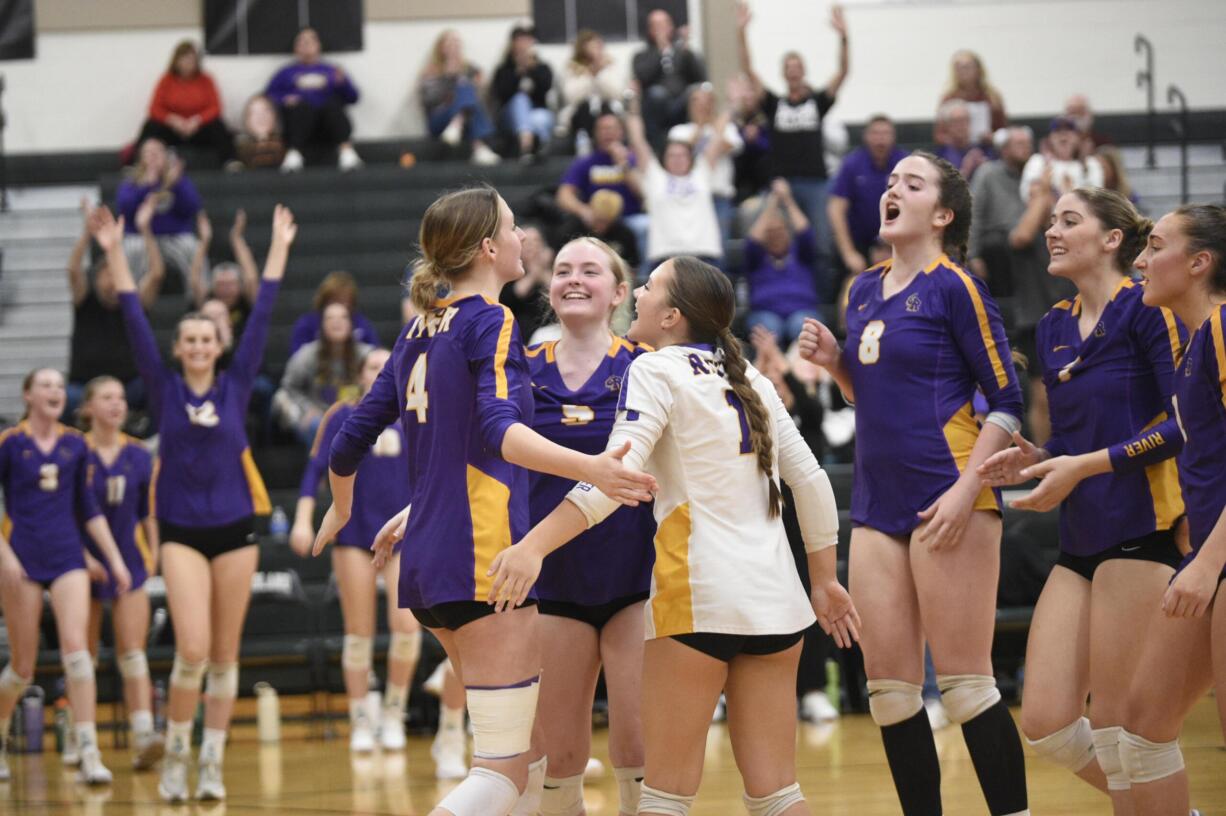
722,563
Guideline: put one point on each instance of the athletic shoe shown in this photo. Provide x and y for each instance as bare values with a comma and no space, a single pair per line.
391,731
453,133
449,750
348,159
71,755
92,771
816,707
484,157
721,711
172,786
361,732
209,786
434,683
149,749
937,718
292,162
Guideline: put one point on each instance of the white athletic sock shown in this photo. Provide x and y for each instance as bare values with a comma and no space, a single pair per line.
142,722
87,736
179,737
395,697
450,718
529,802
213,746
357,709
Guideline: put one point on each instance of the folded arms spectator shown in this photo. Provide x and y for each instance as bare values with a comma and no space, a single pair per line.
521,89
186,108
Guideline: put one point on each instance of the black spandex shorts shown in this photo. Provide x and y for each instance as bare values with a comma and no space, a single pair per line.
726,647
211,541
1159,547
454,614
596,615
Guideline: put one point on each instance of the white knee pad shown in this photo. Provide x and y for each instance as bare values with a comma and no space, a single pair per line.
657,801
894,701
966,696
564,796
774,803
78,666
222,681
187,675
404,647
12,683
1107,749
1146,761
502,718
481,793
358,653
1071,747
133,665
629,787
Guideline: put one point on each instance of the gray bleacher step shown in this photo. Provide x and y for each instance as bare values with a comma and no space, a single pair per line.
1167,155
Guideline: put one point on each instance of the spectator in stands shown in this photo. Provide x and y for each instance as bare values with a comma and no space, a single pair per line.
219,313
968,81
521,89
698,132
954,143
186,109
780,265
99,346
753,165
311,95
235,284
678,193
159,176
797,146
608,226
1115,174
450,89
260,144
320,373
664,71
607,167
336,287
1062,163
1077,107
854,205
591,85
528,297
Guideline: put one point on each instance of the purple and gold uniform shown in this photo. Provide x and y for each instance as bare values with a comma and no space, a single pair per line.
1112,390
205,474
381,489
1200,406
47,496
915,360
121,490
612,560
457,380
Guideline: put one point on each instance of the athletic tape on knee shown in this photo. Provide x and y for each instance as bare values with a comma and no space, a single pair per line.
404,647
185,674
1146,761
357,653
481,793
133,665
78,666
629,787
670,804
893,701
773,804
564,796
1071,747
1107,749
966,696
222,682
502,718
12,683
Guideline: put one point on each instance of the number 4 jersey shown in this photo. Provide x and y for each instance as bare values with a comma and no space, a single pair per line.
915,360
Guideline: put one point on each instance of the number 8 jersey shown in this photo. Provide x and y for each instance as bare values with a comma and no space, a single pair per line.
916,359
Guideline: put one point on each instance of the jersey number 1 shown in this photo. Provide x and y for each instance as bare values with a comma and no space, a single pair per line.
870,341
415,397
735,402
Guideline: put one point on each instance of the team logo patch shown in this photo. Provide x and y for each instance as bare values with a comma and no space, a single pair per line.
913,303
861,307
1100,330
614,383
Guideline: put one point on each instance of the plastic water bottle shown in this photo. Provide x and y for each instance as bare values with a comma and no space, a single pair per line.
833,685
32,715
583,144
267,712
278,526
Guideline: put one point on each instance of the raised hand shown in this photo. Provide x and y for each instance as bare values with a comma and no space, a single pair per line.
817,344
743,15
837,21
106,228
284,230
239,227
204,228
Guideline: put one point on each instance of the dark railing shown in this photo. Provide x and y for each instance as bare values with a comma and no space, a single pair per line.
1145,79
1174,96
4,170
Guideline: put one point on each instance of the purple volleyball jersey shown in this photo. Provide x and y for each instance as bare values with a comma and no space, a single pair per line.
121,490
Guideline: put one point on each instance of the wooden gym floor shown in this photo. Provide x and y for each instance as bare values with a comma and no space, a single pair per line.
841,768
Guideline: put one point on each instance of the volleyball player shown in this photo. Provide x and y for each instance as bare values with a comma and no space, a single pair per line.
122,474
380,491
44,470
208,492
1184,265
591,594
1108,361
922,336
458,381
727,610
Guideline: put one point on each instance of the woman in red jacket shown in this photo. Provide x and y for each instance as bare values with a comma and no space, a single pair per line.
186,108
